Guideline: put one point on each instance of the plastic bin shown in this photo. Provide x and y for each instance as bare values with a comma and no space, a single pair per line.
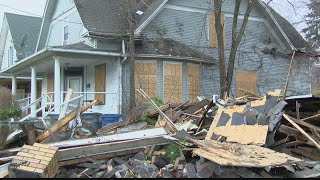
108,119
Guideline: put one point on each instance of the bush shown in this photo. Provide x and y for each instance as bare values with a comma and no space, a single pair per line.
8,107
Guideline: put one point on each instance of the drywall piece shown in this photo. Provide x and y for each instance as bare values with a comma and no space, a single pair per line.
233,154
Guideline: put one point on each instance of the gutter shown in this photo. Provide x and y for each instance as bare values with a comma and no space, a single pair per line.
175,58
84,52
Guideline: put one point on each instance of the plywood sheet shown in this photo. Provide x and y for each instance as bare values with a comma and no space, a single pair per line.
244,134
213,41
246,80
227,110
100,83
172,82
146,79
50,86
193,82
233,154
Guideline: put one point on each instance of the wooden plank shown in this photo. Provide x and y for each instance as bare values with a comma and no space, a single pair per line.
290,131
244,134
193,81
301,130
172,82
65,107
111,138
197,106
95,149
100,156
306,154
61,122
305,124
233,154
288,76
100,83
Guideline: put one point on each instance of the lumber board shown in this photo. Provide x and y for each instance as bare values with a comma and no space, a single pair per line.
100,81
301,130
100,156
233,154
90,150
63,121
172,82
193,71
305,124
111,138
306,154
197,106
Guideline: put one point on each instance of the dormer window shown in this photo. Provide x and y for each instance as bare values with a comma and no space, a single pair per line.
65,35
10,56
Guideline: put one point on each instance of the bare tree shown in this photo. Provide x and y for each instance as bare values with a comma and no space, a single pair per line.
226,75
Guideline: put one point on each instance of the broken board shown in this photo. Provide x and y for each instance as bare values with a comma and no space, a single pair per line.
232,154
244,134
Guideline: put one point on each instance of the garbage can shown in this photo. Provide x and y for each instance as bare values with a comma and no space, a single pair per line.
108,119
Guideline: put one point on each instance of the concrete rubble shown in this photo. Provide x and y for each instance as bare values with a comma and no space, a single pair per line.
246,137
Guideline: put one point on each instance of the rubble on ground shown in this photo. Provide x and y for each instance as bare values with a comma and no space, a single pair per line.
245,137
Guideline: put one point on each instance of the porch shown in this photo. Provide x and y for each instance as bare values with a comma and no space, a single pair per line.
91,76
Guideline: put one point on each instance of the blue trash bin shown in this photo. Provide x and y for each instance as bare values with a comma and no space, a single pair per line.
108,119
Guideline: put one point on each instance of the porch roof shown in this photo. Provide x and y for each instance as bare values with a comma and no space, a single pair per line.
43,57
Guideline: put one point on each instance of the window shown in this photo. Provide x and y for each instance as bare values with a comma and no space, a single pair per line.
193,82
145,78
172,82
246,80
213,41
65,35
10,56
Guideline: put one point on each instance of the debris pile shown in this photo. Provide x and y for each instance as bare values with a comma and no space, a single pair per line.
247,137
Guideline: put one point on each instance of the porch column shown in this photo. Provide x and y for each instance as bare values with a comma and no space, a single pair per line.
14,85
33,91
57,85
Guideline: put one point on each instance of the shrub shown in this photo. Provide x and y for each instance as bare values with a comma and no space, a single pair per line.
8,107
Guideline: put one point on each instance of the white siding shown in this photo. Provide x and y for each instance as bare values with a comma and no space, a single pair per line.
113,73
5,60
66,14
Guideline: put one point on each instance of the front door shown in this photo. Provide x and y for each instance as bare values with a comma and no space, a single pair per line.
75,83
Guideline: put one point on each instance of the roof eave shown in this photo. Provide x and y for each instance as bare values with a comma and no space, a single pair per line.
193,59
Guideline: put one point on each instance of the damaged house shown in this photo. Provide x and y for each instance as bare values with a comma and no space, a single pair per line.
82,46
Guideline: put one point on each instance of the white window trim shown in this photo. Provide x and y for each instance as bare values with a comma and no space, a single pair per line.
63,33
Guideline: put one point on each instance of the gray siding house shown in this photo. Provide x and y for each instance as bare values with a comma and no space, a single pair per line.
82,45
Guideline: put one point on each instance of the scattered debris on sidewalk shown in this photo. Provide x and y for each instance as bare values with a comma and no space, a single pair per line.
245,137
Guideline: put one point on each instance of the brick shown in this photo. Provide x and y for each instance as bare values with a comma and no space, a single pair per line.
49,155
30,147
54,148
37,153
17,161
31,160
39,166
42,158
24,150
25,154
44,162
41,145
40,171
47,151
26,168
18,157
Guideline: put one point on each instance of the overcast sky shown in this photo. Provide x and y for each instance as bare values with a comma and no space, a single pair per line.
36,8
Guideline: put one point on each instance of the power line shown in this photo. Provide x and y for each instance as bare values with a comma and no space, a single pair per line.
38,15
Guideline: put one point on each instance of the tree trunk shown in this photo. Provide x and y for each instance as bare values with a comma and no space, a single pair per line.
236,38
4,132
131,54
220,38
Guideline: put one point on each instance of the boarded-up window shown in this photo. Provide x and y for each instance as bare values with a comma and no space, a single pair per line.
246,80
100,83
145,78
50,87
213,41
172,82
193,82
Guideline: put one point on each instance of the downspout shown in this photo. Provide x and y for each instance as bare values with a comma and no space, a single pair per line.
124,51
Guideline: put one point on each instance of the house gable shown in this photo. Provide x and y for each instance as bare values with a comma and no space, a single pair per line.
8,46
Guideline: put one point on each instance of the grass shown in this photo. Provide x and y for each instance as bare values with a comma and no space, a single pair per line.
148,120
172,152
316,92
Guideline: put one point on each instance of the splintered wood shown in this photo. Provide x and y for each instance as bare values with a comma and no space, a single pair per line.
231,154
37,161
244,134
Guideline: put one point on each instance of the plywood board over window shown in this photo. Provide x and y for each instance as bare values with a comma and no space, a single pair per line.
193,82
172,82
50,87
213,41
100,83
145,78
246,80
